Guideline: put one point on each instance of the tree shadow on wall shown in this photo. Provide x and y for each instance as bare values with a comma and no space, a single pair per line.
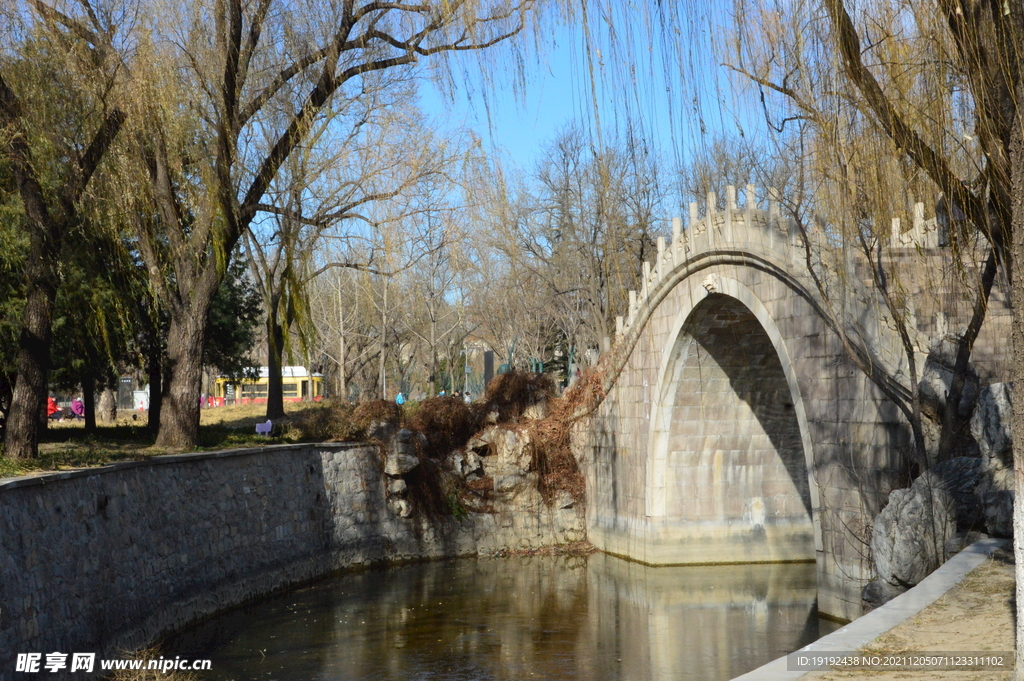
731,336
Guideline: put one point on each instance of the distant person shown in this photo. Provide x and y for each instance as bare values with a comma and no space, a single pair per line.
78,408
399,399
468,397
52,410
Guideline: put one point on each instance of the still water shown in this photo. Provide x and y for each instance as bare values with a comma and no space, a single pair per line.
541,617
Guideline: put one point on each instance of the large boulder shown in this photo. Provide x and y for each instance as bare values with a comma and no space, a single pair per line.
990,426
466,463
879,592
401,457
505,456
381,430
936,380
960,477
998,509
507,450
536,411
910,534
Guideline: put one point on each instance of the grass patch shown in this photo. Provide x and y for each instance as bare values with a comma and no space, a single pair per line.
67,446
220,437
69,458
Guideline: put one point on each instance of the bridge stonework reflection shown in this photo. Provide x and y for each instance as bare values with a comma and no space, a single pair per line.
736,426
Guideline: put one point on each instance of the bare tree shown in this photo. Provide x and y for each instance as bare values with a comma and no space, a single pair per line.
583,228
229,91
924,105
983,48
369,150
435,310
726,160
345,330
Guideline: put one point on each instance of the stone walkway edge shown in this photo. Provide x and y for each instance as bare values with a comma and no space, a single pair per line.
867,628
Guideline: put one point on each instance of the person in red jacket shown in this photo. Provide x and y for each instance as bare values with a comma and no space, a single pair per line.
51,407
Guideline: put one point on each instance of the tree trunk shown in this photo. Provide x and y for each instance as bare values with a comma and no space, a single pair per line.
1017,369
89,399
179,414
23,421
382,370
155,369
433,357
342,383
956,422
275,351
41,281
307,394
108,406
43,418
46,234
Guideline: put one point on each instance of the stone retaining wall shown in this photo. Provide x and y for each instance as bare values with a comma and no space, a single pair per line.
108,559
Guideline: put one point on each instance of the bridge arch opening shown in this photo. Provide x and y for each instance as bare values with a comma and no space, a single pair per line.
729,461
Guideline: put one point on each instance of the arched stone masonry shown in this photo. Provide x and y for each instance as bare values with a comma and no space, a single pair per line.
732,295
732,482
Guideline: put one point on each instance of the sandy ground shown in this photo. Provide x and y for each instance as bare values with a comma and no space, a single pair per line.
976,615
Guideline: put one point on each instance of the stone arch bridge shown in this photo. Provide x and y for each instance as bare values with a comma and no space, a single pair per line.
739,428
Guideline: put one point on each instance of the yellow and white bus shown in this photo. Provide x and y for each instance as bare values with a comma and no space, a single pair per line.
297,384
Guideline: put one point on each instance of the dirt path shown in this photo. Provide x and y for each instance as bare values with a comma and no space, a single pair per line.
975,616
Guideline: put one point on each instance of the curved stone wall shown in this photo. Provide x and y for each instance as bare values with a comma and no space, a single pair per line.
736,480
108,559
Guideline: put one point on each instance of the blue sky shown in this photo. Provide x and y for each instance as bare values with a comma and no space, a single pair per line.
557,90
518,125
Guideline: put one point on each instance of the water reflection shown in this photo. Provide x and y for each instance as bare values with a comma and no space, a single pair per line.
541,617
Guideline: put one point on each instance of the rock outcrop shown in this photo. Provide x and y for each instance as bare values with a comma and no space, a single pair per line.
937,377
936,380
990,426
401,456
498,467
960,477
489,481
910,534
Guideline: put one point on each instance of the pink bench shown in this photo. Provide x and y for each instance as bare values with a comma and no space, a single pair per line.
264,428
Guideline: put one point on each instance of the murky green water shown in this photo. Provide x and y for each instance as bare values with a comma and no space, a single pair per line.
518,618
